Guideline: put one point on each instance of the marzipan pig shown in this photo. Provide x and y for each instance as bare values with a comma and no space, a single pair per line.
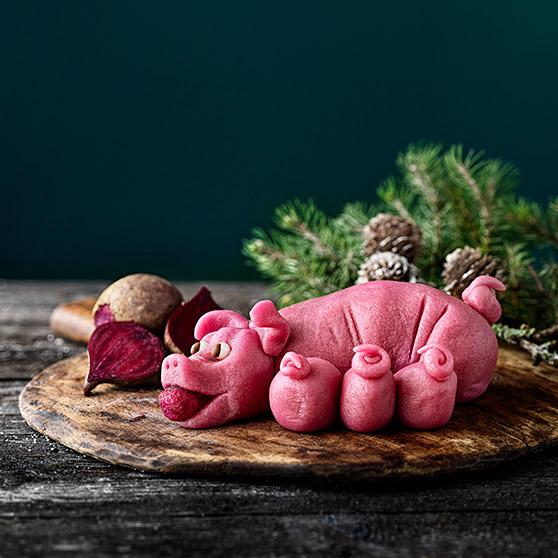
400,349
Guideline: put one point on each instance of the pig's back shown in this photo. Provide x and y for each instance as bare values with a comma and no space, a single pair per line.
397,316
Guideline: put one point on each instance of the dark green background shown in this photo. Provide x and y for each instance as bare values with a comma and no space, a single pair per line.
153,135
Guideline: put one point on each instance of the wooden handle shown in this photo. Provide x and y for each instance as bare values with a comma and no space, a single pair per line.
73,320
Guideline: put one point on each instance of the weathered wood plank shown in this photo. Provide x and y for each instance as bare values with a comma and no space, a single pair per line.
23,358
39,473
86,496
478,533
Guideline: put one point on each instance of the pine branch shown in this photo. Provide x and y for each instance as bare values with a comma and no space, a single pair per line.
549,278
546,352
456,198
547,333
538,225
498,181
479,190
422,170
397,199
306,220
524,338
463,170
307,256
420,165
354,217
524,301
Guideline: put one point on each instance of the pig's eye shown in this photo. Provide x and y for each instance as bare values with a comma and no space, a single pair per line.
221,350
197,347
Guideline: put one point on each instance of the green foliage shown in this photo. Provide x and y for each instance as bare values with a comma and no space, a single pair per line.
309,254
457,198
538,225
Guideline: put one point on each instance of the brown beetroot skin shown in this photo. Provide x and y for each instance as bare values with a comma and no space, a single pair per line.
179,332
122,353
146,299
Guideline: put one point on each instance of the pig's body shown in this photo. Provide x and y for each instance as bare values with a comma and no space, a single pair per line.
401,318
439,349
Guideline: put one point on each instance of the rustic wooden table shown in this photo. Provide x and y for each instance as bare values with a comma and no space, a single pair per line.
54,501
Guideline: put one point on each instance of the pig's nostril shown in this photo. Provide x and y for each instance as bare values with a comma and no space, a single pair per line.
167,365
175,362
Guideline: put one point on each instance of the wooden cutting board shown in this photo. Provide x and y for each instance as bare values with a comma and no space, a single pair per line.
517,415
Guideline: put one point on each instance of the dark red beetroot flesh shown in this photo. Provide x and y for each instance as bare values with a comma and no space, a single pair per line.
122,353
180,404
179,332
103,315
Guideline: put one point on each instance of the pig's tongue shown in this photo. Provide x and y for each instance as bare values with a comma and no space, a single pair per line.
180,404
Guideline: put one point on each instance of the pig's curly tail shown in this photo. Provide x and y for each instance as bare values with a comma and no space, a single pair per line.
437,361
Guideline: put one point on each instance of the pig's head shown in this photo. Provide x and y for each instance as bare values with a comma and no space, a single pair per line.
227,376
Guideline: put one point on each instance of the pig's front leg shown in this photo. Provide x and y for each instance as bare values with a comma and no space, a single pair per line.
426,389
304,395
368,391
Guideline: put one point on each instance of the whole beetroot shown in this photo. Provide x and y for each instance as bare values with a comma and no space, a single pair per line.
145,299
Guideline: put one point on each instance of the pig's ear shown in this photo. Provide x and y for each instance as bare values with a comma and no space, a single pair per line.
272,328
216,319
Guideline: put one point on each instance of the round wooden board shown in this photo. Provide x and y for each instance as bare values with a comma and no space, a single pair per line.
518,414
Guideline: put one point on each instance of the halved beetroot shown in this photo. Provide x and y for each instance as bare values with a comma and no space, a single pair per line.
179,332
122,353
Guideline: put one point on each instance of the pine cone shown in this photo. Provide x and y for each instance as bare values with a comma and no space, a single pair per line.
463,265
391,233
386,266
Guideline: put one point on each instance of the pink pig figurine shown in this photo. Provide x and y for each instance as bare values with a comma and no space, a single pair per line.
304,395
438,349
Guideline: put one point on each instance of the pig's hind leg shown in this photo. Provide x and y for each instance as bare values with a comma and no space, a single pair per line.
426,389
304,395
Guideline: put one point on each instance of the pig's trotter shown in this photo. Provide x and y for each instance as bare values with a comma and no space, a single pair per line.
368,391
426,389
304,395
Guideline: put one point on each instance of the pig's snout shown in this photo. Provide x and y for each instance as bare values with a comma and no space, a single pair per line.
174,369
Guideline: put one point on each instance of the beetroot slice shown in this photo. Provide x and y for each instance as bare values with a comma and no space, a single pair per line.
122,353
179,332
